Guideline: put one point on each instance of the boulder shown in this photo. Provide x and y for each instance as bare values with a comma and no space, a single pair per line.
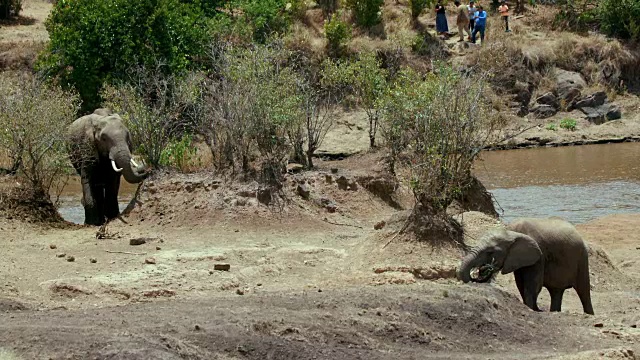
304,191
542,111
593,100
569,86
548,99
601,114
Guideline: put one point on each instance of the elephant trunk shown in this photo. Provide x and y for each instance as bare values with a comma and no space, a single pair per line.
121,158
474,259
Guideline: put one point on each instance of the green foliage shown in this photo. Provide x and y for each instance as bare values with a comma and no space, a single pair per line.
338,32
620,18
34,119
439,124
180,154
157,109
552,127
576,14
370,84
269,17
418,6
367,13
10,8
93,42
569,124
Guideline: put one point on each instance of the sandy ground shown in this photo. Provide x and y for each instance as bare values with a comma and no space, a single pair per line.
303,283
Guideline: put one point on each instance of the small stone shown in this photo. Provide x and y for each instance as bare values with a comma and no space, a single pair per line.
158,248
53,246
61,255
334,170
380,225
319,290
71,258
137,241
304,191
197,327
236,230
222,267
93,260
598,325
150,261
259,284
239,291
328,179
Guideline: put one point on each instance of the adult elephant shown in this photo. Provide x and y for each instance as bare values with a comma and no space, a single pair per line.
545,252
99,148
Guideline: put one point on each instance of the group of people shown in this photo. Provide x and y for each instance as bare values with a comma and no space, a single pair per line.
470,18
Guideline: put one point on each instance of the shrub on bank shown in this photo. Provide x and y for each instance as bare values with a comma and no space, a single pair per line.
34,119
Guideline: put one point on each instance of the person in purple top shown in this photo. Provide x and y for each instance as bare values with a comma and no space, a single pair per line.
480,25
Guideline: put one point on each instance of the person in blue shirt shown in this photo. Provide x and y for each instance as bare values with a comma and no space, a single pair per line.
480,25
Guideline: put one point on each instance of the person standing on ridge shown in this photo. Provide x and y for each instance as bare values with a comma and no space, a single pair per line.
472,11
504,12
462,20
442,27
480,24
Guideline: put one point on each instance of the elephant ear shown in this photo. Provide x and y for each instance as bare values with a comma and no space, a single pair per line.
524,251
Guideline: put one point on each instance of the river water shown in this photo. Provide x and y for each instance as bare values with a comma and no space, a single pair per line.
579,183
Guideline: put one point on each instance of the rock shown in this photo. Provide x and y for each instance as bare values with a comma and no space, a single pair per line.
239,291
334,170
612,112
61,255
598,325
542,111
71,258
328,204
342,182
593,100
93,260
137,241
328,179
264,196
602,114
569,86
294,168
150,261
304,191
379,225
53,246
197,327
548,99
222,267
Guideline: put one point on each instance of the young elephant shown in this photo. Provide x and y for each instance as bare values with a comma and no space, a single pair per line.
540,252
100,150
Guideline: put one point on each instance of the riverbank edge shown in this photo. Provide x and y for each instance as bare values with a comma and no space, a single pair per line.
541,142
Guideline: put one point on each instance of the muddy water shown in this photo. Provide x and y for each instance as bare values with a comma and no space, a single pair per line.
579,183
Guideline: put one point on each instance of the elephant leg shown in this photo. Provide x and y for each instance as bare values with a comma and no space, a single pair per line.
556,299
532,285
583,288
111,188
90,200
519,282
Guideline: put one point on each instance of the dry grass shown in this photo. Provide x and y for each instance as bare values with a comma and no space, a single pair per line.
19,56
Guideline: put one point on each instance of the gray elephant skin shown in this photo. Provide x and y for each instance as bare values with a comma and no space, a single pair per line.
545,252
99,148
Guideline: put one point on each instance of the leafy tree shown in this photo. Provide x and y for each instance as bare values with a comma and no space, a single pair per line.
620,18
367,13
93,42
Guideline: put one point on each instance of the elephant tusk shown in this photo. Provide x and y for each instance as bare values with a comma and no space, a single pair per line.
134,163
115,168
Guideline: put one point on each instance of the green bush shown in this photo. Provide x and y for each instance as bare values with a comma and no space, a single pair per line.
620,18
180,154
268,17
569,124
338,32
367,13
370,84
552,127
93,42
10,8
439,125
417,6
